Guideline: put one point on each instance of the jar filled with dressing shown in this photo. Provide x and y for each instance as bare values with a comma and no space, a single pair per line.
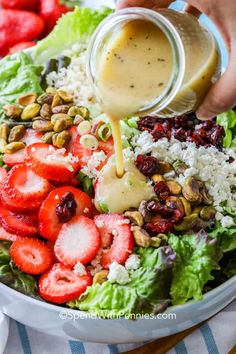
143,61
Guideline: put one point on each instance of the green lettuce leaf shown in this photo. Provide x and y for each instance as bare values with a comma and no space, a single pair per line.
147,291
73,28
18,75
230,267
196,257
12,276
228,121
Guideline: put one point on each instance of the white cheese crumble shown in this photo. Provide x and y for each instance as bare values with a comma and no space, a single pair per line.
206,164
118,274
79,269
123,222
56,197
96,264
99,223
227,221
133,262
93,163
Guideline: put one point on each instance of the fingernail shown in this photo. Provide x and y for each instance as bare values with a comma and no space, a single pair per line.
201,114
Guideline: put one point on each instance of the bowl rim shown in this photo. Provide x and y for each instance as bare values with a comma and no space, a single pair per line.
170,309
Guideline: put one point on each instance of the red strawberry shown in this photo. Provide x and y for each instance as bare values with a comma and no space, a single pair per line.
7,236
21,46
51,245
23,190
51,163
51,11
49,225
73,134
29,5
114,226
3,174
18,26
84,154
60,284
15,158
19,224
31,137
31,255
78,241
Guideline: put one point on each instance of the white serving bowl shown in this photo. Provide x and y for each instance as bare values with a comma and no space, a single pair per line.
50,319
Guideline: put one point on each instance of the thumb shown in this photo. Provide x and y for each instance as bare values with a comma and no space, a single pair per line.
222,95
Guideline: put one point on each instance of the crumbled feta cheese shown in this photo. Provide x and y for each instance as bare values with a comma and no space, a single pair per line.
133,262
96,264
79,269
33,149
123,222
114,233
118,274
227,221
206,164
92,163
99,223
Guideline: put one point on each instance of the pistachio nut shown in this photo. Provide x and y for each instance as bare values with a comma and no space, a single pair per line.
135,217
141,237
30,111
208,213
27,99
4,131
100,277
78,119
174,187
186,205
12,111
65,96
73,111
42,126
155,242
13,147
51,90
45,98
62,124
47,137
196,210
16,133
143,210
187,223
164,167
3,145
157,178
61,109
58,116
174,203
61,139
206,198
45,111
179,167
83,112
56,101
191,190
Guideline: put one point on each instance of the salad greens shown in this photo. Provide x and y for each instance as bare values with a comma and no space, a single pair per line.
74,28
12,276
228,122
196,256
147,291
18,75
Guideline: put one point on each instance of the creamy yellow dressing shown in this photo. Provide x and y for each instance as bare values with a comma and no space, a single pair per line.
119,194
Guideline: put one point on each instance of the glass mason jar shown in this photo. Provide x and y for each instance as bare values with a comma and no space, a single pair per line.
196,59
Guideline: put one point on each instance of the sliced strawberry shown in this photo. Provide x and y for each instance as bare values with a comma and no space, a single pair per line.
78,241
51,163
60,284
3,174
23,190
122,244
14,159
84,154
31,255
51,245
31,137
7,236
19,224
49,224
73,135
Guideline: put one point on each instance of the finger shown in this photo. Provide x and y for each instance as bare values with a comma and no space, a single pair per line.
192,10
221,97
151,4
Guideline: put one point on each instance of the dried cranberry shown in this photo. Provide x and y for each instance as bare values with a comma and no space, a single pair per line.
160,131
181,121
159,225
162,191
66,208
147,165
199,136
162,210
208,124
216,134
147,123
177,215
179,134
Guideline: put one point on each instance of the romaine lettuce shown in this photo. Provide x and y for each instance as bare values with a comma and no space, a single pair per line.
73,28
196,257
228,121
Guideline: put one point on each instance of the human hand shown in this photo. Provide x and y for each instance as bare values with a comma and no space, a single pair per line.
222,95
